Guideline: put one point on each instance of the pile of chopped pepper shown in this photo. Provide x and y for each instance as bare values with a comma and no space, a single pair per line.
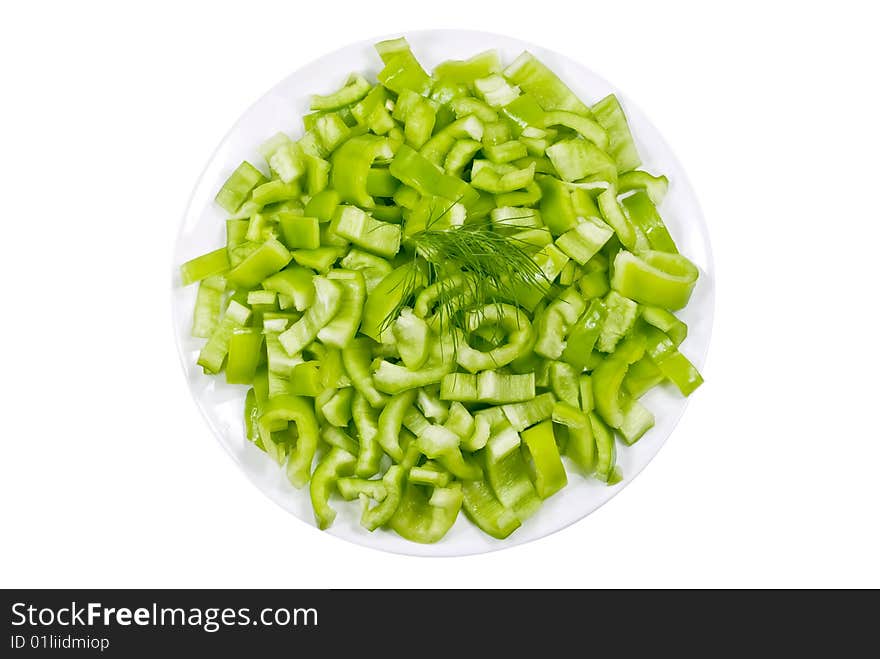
322,305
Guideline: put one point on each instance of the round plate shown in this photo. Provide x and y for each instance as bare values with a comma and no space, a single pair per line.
280,109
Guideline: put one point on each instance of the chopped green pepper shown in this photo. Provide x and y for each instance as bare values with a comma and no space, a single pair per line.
655,278
549,473
204,266
351,165
328,296
335,464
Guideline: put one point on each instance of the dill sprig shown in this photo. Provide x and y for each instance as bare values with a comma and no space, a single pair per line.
473,265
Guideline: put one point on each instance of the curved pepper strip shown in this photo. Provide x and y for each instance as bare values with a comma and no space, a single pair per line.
515,324
564,382
618,321
671,362
584,241
352,488
528,413
523,112
479,437
577,159
486,511
583,335
433,213
581,447
667,323
557,208
459,421
406,102
366,421
416,171
611,402
356,87
621,145
236,236
317,174
554,323
430,473
415,421
356,358
390,422
495,90
393,480
296,283
390,47
336,437
539,81
428,401
457,465
505,152
387,295
429,296
340,331
551,261
402,71
261,396
424,519
332,370
250,413
578,123
298,410
642,212
328,296
373,268
213,353
332,466
642,376
655,278
530,195
411,452
466,71
549,473
637,419
606,450
351,166
509,477
420,121
654,186
371,113
500,178
382,238
441,444
411,334
393,378
437,148
465,105
614,216
496,133
238,187
462,152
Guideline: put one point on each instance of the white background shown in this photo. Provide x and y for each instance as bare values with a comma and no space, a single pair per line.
109,477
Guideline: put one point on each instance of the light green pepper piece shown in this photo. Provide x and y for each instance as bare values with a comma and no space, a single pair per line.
335,464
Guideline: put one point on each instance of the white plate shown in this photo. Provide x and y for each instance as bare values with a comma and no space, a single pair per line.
280,109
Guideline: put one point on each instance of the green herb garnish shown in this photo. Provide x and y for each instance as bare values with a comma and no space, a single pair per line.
491,268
